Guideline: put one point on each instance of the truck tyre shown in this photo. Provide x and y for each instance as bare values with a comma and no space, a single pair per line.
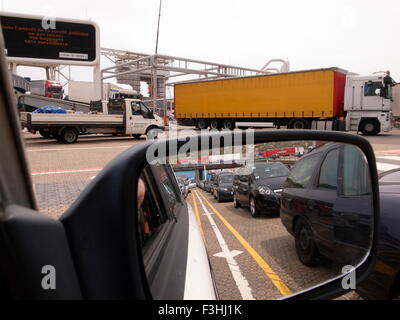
215,124
202,124
69,135
369,127
299,124
152,133
228,125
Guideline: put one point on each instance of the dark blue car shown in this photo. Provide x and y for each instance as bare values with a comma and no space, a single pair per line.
327,206
384,281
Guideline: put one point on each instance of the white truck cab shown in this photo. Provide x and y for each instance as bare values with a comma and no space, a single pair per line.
368,104
139,120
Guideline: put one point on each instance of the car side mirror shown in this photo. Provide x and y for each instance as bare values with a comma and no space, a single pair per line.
161,240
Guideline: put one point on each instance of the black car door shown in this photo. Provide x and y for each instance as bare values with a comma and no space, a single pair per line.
295,195
243,191
322,198
353,207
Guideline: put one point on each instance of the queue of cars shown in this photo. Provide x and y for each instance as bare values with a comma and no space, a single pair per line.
326,194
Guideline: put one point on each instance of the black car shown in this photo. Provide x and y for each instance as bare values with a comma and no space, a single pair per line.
213,182
384,281
260,187
327,195
210,183
223,187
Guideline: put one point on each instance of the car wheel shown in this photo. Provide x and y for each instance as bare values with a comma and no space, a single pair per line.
253,207
306,248
236,203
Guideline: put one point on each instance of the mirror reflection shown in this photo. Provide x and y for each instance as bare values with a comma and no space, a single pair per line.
270,223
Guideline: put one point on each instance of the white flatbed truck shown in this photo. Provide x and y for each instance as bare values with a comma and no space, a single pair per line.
119,116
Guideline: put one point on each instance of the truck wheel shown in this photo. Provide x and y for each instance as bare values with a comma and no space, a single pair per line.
369,127
69,135
136,136
228,125
215,124
202,124
153,133
299,124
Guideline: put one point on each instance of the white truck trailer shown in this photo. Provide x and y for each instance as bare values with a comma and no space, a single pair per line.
120,116
83,91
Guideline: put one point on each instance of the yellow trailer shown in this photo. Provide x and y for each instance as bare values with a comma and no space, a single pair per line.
292,99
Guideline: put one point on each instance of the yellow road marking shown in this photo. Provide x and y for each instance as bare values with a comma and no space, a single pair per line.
196,210
276,280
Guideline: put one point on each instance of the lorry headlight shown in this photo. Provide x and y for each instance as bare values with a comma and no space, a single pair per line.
265,190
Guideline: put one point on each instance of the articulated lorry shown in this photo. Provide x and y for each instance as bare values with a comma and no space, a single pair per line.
118,116
324,99
47,88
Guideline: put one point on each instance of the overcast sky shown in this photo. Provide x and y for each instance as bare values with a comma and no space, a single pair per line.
357,35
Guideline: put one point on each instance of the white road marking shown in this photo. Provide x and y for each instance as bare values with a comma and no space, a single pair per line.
69,149
45,173
240,280
395,158
386,166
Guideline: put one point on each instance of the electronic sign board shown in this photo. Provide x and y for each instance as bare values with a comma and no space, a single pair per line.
57,41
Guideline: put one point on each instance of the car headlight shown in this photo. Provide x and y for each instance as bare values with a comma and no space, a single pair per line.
265,190
225,189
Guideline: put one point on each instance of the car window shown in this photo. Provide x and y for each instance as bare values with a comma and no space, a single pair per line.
136,109
302,173
356,177
328,176
270,170
151,216
371,87
169,192
226,179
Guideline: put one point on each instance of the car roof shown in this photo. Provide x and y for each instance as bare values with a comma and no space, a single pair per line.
322,149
